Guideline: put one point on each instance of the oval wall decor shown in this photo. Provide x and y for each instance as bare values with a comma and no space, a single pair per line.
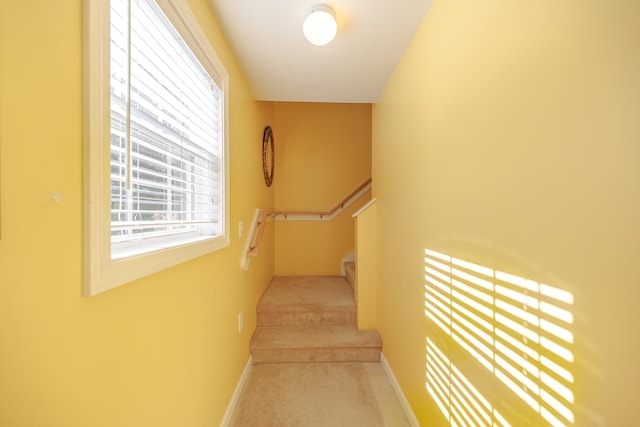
268,155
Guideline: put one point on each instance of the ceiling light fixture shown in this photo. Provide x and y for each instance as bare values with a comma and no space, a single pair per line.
320,25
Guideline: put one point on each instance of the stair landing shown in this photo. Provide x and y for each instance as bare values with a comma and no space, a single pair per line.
311,319
307,300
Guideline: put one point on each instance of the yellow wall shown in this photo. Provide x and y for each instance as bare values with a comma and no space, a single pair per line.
509,136
366,267
323,152
163,351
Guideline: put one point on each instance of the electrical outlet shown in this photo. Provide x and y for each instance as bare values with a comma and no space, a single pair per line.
241,321
241,228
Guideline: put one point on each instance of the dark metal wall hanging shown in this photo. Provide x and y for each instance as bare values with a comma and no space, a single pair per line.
268,161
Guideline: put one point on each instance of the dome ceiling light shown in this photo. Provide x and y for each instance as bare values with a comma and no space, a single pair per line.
320,25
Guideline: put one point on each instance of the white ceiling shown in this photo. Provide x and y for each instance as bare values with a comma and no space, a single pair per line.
281,65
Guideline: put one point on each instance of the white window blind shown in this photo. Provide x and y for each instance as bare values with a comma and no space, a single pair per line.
166,135
156,152
520,330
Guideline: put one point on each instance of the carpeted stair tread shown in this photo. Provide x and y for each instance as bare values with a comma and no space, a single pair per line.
303,292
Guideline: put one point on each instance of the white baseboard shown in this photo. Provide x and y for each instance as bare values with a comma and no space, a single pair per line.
233,404
396,387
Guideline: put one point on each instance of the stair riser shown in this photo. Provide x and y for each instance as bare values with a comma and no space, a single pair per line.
316,355
287,318
350,274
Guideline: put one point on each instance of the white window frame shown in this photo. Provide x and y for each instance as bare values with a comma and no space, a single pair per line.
101,273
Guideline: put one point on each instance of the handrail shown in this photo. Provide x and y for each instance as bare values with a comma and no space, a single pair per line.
255,249
330,211
325,215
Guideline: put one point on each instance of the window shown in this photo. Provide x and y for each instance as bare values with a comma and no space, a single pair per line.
156,144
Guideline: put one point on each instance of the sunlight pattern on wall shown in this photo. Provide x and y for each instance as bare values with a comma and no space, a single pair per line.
518,329
457,398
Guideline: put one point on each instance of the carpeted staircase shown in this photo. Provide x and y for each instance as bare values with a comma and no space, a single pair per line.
312,319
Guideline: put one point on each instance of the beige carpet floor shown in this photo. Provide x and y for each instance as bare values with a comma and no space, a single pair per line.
337,394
